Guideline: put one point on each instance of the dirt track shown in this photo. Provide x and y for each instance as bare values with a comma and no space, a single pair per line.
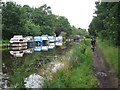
105,75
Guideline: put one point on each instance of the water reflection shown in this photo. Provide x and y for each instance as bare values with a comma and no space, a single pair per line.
58,44
65,47
77,42
19,51
51,45
34,59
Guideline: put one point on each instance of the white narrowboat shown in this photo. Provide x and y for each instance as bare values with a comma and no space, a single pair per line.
18,44
44,48
51,45
29,39
37,38
59,39
51,38
17,53
58,43
30,50
38,48
18,39
19,48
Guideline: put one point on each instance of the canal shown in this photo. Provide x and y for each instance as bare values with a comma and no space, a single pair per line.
30,67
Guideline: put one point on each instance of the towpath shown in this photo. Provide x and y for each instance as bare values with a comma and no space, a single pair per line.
103,71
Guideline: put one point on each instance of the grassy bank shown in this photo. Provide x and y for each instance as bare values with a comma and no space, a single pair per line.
110,53
4,43
77,72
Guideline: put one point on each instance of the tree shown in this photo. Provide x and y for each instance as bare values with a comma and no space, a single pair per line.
27,21
106,23
79,31
31,29
11,20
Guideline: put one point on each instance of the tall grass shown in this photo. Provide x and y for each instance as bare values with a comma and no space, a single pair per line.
77,72
110,52
4,42
82,75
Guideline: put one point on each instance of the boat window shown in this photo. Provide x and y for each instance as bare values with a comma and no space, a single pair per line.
21,51
21,40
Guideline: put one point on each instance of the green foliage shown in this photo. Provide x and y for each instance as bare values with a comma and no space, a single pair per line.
18,78
111,53
23,67
106,22
4,43
11,20
24,20
82,75
32,29
64,34
78,71
60,81
87,36
78,31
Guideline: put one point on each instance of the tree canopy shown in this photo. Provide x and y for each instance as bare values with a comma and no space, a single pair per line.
24,20
107,22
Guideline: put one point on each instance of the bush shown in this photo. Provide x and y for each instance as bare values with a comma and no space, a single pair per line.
5,41
87,36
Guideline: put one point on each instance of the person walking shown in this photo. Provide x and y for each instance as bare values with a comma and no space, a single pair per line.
93,42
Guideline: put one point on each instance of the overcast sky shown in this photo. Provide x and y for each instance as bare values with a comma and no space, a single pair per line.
78,12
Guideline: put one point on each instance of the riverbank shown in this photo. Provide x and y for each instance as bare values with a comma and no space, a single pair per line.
110,53
4,43
77,71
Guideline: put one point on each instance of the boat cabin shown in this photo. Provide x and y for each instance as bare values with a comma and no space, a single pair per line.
51,38
59,39
17,53
18,39
29,38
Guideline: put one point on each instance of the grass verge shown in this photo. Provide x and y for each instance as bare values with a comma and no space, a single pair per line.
110,52
77,72
4,43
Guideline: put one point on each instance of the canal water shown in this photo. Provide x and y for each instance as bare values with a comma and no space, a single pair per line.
30,67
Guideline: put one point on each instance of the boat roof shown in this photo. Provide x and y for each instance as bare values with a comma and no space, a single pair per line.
17,36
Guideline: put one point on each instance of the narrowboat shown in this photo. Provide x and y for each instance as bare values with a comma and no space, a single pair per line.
18,40
59,39
51,39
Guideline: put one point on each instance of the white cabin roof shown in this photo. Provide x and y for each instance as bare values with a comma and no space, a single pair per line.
17,36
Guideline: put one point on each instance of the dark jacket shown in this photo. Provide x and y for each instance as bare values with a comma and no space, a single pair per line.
93,42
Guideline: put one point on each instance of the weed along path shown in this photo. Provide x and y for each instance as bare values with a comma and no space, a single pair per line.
103,71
